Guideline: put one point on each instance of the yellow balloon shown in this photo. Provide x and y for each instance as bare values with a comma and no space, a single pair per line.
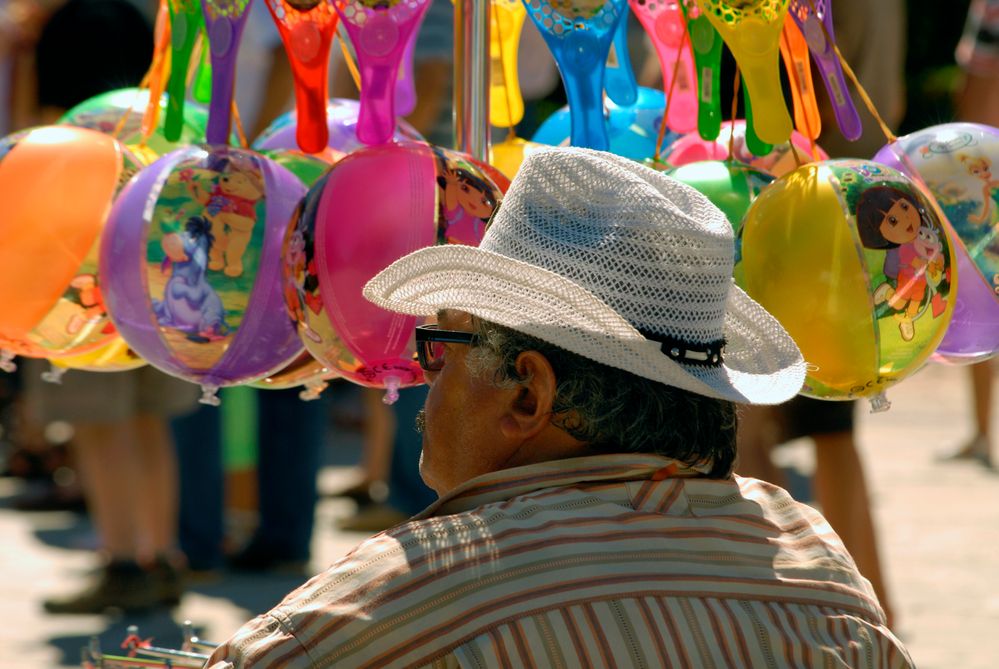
115,356
510,153
852,259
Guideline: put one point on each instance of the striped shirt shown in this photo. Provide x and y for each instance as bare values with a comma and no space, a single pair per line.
603,561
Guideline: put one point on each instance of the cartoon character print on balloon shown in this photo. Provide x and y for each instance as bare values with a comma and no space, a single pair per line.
203,252
190,304
466,201
906,254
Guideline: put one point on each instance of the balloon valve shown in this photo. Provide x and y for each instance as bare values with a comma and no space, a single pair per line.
7,363
392,384
880,403
312,390
209,396
54,375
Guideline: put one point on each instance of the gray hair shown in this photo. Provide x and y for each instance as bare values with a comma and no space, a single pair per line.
611,410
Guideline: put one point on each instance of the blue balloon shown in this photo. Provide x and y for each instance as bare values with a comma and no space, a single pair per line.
633,130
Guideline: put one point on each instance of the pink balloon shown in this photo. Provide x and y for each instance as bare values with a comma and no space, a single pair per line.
373,207
690,148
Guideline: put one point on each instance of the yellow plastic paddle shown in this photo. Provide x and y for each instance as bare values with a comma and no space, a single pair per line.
506,105
752,30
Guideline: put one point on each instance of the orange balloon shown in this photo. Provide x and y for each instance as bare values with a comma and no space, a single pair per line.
56,187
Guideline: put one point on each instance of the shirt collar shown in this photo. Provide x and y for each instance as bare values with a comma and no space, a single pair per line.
508,483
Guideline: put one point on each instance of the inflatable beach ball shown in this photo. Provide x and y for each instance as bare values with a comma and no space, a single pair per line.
955,161
191,266
850,257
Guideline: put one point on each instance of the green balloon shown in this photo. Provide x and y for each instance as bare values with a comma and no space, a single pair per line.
105,111
307,168
731,186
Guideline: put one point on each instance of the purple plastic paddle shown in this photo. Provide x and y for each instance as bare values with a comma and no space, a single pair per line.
224,23
811,22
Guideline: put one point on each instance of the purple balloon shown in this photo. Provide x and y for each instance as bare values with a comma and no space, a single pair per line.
341,118
190,266
953,162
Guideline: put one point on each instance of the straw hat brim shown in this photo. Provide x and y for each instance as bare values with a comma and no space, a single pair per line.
762,364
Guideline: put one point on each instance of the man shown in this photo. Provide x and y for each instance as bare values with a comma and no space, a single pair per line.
580,431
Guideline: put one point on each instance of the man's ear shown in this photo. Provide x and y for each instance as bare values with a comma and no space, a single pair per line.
531,402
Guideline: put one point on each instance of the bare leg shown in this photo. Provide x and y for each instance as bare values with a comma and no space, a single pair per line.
104,454
757,436
155,500
841,491
379,428
981,384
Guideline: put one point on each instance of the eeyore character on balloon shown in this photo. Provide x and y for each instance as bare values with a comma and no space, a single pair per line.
189,303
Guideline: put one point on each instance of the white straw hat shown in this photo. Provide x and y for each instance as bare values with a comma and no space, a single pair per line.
616,262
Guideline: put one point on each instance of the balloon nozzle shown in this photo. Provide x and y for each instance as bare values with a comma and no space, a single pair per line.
392,384
209,396
54,375
7,361
880,403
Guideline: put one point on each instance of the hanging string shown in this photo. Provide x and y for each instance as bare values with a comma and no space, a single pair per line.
794,153
239,126
669,96
511,133
120,127
351,65
889,135
735,112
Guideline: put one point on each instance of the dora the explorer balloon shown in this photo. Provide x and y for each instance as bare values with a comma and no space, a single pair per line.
230,196
914,267
467,201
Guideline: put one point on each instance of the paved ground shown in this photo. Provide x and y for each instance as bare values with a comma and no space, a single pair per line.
939,534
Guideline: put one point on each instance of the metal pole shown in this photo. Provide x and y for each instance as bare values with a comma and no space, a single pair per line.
471,77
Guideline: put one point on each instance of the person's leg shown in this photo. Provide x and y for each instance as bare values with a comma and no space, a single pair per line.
154,491
291,439
841,491
758,434
201,521
979,447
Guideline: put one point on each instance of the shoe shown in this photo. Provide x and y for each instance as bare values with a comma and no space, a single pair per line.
883,293
372,518
122,585
258,557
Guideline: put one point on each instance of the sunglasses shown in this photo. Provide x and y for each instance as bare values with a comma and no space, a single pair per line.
430,342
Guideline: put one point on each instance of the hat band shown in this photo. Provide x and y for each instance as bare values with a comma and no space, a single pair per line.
707,355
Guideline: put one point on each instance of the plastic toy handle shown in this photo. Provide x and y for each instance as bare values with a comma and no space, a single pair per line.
754,42
224,35
159,72
580,47
506,104
827,63
202,89
756,146
379,40
794,51
308,35
185,23
405,84
706,45
668,31
619,77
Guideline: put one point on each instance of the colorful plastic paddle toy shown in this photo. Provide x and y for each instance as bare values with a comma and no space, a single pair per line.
379,31
201,91
664,22
159,71
619,79
307,28
706,45
405,84
751,29
185,24
506,104
224,22
794,51
811,16
579,34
